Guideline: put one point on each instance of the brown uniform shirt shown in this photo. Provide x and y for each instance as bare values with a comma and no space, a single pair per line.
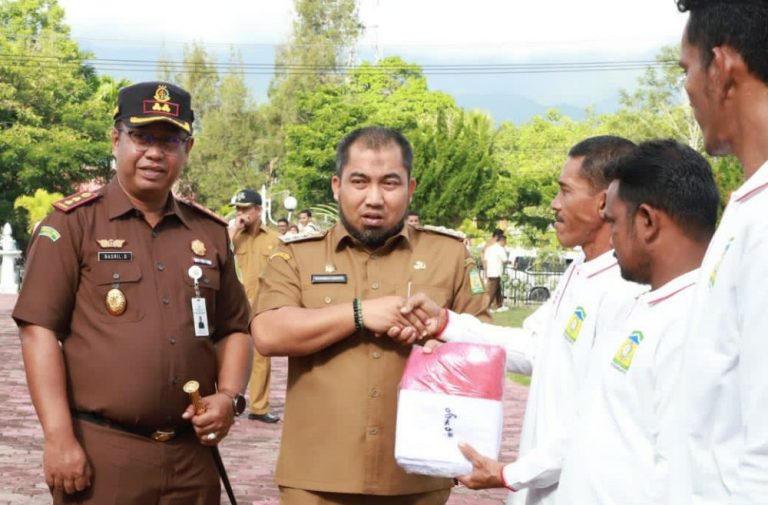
252,251
340,408
131,368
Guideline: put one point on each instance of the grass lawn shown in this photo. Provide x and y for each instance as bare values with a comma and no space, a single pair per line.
514,317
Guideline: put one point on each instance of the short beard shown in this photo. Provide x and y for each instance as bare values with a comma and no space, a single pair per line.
372,239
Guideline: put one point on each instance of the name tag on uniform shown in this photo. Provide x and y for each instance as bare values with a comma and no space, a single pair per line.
329,279
200,317
115,256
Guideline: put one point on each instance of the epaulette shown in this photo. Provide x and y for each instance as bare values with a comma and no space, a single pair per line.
204,210
74,201
301,237
442,230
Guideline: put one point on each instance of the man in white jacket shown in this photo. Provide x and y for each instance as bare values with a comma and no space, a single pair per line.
662,208
555,341
723,420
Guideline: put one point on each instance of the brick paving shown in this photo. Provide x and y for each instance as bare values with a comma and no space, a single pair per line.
249,452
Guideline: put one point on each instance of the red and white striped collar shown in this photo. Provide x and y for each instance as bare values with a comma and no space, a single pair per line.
752,186
597,266
671,288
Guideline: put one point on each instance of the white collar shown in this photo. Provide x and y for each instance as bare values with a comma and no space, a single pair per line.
671,288
598,265
752,186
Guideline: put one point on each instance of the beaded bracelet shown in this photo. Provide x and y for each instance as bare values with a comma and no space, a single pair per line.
357,308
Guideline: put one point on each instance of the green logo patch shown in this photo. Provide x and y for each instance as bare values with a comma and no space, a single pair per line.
50,232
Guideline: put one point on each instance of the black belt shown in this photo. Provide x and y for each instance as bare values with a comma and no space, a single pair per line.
158,435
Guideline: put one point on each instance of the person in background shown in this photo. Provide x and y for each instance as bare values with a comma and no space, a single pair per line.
412,218
495,259
282,226
306,225
254,243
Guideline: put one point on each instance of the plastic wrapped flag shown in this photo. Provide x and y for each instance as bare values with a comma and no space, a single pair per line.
454,394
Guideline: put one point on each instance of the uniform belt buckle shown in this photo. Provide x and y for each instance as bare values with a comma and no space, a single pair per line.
162,435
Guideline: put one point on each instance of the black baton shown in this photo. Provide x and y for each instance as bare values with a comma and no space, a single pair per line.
223,475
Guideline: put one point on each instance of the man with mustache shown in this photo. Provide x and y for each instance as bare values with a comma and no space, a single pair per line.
327,301
555,341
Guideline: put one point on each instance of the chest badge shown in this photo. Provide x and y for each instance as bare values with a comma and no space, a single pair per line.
111,243
115,302
622,360
198,247
329,269
419,265
573,328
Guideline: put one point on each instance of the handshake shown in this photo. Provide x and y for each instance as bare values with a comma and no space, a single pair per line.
404,320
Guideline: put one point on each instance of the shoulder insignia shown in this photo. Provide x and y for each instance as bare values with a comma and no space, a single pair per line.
301,237
204,210
442,230
280,254
71,202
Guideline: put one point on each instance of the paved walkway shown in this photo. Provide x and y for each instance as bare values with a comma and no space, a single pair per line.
249,452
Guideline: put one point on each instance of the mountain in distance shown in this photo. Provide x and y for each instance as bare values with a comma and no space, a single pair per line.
519,109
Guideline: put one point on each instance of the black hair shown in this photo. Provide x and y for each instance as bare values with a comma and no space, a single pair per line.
740,24
306,211
599,152
498,233
673,178
374,137
412,212
283,220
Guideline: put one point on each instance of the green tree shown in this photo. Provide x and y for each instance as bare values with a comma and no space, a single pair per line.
54,111
37,206
452,148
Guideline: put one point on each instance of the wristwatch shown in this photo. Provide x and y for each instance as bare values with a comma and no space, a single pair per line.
238,402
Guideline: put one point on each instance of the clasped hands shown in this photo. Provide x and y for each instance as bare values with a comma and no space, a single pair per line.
404,320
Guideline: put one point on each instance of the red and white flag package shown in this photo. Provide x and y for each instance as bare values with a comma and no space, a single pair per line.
454,394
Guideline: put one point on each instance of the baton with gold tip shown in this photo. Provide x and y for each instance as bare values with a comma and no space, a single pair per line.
192,388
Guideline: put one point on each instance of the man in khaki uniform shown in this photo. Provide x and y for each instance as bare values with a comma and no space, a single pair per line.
327,301
254,243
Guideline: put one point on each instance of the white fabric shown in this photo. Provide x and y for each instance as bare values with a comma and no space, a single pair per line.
723,420
613,457
430,426
557,364
495,258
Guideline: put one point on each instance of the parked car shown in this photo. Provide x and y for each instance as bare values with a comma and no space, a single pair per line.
529,280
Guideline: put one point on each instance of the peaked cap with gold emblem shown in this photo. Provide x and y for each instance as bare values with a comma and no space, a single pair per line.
148,102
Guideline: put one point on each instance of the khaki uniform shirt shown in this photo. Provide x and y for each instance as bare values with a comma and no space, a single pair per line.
131,368
341,403
252,251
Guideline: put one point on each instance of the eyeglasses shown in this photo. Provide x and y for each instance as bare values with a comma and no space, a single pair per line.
142,141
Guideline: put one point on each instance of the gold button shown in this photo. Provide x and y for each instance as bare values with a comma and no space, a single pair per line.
375,285
373,431
375,393
376,355
327,299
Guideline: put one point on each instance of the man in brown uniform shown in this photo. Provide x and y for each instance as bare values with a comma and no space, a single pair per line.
129,293
327,301
254,243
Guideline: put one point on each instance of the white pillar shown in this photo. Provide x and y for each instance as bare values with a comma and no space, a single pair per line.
9,275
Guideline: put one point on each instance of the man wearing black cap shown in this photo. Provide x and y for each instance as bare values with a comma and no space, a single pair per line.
129,293
254,243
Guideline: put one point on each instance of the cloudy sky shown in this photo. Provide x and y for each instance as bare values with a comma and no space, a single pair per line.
421,31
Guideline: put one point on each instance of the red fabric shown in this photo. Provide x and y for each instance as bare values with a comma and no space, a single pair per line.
455,368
